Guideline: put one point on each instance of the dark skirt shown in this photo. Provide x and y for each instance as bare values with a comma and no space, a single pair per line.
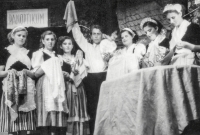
78,114
77,103
92,85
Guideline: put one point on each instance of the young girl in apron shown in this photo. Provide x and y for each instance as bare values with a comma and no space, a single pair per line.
17,113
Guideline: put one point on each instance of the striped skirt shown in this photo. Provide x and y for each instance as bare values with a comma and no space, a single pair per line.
77,122
77,103
24,121
78,128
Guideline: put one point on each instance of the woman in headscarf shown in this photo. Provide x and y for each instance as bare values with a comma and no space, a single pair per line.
127,59
158,48
51,100
185,36
74,68
18,107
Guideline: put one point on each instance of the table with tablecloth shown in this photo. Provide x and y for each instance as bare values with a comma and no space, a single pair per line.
151,101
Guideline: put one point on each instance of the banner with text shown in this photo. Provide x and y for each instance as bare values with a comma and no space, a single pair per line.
27,17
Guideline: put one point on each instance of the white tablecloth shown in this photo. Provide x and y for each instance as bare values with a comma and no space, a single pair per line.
152,101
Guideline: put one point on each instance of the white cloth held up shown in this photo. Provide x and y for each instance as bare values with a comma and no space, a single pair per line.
53,71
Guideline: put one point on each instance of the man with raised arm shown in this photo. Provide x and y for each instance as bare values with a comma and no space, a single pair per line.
96,73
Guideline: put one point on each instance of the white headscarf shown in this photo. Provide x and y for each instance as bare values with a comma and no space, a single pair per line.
172,7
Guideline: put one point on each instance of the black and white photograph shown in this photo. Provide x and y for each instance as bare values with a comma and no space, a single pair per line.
100,67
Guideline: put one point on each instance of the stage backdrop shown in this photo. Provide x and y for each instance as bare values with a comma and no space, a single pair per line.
131,14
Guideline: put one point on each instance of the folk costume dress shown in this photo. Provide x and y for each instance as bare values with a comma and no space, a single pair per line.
188,32
76,97
125,60
18,100
157,52
50,96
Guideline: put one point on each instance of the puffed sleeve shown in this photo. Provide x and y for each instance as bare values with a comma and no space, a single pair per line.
140,50
107,46
37,60
102,47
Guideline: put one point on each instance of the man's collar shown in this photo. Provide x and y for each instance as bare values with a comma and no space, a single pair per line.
95,45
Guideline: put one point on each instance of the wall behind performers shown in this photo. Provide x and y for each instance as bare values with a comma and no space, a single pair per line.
100,12
56,11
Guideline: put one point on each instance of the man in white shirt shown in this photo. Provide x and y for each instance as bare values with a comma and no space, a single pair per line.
96,73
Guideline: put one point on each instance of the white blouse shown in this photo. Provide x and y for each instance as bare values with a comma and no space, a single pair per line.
125,61
92,51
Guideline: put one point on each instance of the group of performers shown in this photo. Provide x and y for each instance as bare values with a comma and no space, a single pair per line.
57,90
43,88
179,47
